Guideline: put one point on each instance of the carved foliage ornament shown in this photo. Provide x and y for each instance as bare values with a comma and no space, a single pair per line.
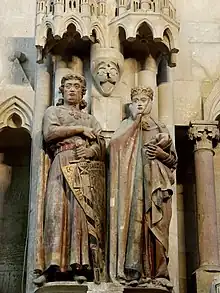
204,133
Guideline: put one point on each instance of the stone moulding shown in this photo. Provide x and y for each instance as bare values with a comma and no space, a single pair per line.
15,105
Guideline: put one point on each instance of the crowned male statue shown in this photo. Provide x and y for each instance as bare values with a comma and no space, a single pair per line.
72,246
142,161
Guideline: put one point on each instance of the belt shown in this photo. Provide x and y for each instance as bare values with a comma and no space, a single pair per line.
65,147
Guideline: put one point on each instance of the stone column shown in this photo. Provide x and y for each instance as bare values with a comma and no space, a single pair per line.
204,133
166,116
165,95
42,101
60,70
147,77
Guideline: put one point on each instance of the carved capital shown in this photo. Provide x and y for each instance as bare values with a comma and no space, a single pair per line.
204,133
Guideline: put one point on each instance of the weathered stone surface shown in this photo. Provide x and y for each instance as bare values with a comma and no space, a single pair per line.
145,290
104,287
204,281
194,83
63,287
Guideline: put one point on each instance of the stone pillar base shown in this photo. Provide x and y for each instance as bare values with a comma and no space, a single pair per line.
204,277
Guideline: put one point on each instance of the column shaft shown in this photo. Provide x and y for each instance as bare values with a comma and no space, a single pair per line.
147,77
42,100
206,207
204,133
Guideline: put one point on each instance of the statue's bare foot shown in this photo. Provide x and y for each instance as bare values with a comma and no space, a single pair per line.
40,281
80,279
165,283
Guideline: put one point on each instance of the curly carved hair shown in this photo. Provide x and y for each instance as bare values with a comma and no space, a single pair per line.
142,90
78,77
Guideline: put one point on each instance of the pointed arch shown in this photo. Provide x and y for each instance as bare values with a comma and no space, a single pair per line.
168,39
142,22
77,22
98,28
16,106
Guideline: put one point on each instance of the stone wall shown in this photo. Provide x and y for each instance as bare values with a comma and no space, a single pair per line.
198,61
17,21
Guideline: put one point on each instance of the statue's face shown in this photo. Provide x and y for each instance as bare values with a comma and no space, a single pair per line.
72,93
106,76
142,104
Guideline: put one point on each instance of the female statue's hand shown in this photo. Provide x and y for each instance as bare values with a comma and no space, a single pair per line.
155,152
83,152
89,132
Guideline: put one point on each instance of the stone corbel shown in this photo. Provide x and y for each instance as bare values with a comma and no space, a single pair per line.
172,57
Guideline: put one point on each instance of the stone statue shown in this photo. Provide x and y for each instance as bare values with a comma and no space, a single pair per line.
142,161
75,195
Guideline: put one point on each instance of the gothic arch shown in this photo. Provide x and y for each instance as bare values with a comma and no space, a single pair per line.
76,21
168,38
15,107
47,25
122,26
99,33
142,22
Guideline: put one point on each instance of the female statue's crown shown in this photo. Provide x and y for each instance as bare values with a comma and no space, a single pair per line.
142,90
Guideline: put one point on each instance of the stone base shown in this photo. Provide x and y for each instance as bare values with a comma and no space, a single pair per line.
105,288
73,287
145,290
215,285
204,277
62,287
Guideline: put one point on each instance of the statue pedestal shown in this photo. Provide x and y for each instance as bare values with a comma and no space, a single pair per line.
73,287
105,288
62,287
145,290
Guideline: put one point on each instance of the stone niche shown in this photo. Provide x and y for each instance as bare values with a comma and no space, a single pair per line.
14,190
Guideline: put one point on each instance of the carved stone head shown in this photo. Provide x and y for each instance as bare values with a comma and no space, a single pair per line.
106,68
142,98
73,88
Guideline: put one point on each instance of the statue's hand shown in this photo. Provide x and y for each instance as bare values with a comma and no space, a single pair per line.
89,132
83,152
155,152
